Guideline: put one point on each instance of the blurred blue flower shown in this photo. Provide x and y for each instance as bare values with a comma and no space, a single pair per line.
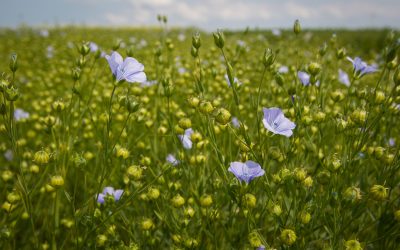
283,69
116,194
262,247
50,51
148,83
185,138
44,33
304,78
360,67
93,47
246,171
20,114
275,121
344,78
9,155
171,159
276,32
392,142
235,122
129,69
235,80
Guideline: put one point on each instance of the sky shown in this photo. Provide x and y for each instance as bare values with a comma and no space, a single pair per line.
204,14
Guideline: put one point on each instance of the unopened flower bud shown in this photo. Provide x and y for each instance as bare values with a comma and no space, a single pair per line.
58,106
297,27
352,245
322,49
219,39
206,201
193,101
84,49
305,217
147,224
379,192
178,201
196,42
314,68
223,116
76,73
206,107
134,172
268,58
249,200
101,240
379,97
341,53
130,50
185,123
12,94
116,45
41,157
352,194
14,62
57,181
279,79
3,85
276,210
288,237
123,153
194,52
189,212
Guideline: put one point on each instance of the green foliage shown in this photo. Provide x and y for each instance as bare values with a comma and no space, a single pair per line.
334,184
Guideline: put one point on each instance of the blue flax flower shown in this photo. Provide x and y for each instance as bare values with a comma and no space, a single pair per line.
116,194
344,78
20,114
172,160
361,68
304,78
185,138
129,69
246,171
275,121
235,80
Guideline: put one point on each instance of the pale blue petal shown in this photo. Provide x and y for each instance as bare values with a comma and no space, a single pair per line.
108,190
117,194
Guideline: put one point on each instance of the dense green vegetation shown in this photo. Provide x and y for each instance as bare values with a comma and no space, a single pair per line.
68,130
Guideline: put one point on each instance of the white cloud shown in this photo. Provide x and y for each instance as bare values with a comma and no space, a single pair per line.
212,14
